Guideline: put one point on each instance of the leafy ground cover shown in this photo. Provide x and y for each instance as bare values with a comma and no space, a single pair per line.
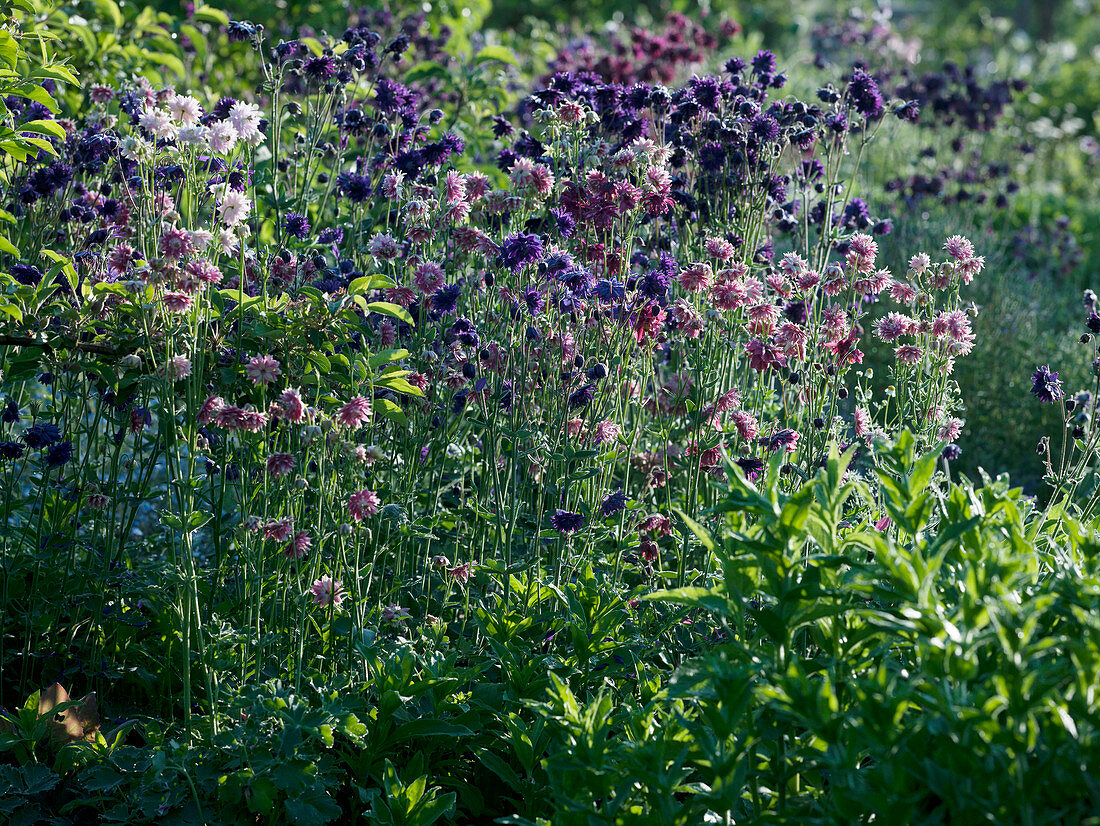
406,420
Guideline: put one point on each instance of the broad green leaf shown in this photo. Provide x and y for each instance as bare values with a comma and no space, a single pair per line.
501,53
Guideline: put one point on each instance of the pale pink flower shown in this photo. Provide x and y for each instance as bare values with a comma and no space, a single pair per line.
223,137
184,109
235,207
696,277
606,431
328,592
394,614
177,302
959,248
263,369
862,421
278,530
178,367
908,354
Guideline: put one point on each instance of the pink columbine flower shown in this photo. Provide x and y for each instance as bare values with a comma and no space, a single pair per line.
363,503
908,354
354,413
328,592
280,464
461,573
298,546
278,529
291,405
177,302
262,369
175,243
178,367
959,248
394,614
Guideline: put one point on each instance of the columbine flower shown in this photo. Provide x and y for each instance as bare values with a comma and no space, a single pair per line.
959,248
178,367
394,614
245,118
519,250
223,137
297,225
279,464
177,302
59,454
262,369
235,207
787,439
291,405
363,503
613,502
298,546
354,413
1046,385
184,109
566,521
328,592
461,573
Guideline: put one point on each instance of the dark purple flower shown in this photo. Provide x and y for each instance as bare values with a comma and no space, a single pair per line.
520,249
613,502
764,63
566,521
581,396
865,95
764,128
751,467
331,235
1046,385
1093,322
59,454
11,412
297,225
41,434
951,452
445,299
11,450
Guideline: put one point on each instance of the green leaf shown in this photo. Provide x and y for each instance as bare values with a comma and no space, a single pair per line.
44,127
209,14
426,70
113,12
385,357
7,246
501,53
391,411
394,310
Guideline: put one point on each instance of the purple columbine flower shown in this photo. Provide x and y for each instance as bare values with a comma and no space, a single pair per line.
613,502
1046,385
865,95
42,434
59,454
297,225
581,396
752,467
520,249
566,521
